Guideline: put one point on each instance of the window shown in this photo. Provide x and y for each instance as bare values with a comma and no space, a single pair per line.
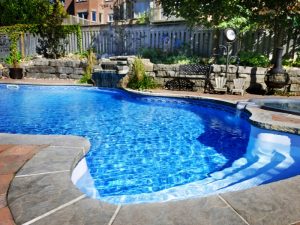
94,16
110,17
100,17
83,15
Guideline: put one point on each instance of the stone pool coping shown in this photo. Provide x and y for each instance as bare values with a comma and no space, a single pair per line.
259,117
42,193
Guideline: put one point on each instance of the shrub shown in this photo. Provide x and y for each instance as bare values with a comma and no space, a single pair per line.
52,39
253,59
291,62
91,61
158,56
155,55
14,58
139,79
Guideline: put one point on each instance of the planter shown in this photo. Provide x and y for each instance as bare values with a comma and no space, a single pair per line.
16,73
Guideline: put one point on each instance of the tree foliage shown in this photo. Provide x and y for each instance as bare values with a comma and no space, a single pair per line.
52,34
23,11
281,17
39,17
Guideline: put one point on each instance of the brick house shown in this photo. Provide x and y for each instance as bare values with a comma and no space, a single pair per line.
102,11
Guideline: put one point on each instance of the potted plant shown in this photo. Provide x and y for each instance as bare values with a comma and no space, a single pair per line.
14,59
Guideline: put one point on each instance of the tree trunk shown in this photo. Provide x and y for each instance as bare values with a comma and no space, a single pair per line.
278,38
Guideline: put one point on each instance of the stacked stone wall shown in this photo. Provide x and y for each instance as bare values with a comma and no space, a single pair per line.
54,69
254,76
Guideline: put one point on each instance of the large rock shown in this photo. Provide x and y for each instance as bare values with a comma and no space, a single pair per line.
295,88
260,70
41,69
57,63
231,69
245,69
160,81
216,68
171,73
34,75
63,76
72,63
161,73
148,65
164,67
41,62
75,76
79,71
244,75
295,80
294,72
40,75
222,68
150,74
64,70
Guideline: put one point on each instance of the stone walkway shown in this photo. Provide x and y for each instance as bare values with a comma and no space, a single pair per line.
42,193
12,158
39,81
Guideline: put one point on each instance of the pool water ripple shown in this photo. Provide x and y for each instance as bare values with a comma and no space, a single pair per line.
146,149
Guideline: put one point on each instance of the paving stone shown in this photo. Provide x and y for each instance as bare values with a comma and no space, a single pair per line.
5,147
14,158
86,211
4,182
19,150
51,159
296,223
274,204
285,119
3,201
30,197
202,211
5,217
55,140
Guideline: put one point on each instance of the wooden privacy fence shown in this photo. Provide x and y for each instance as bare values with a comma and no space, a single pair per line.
127,40
130,39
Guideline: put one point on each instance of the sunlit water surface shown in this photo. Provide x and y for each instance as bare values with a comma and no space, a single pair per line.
149,149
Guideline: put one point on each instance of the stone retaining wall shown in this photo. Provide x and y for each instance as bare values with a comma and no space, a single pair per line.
54,69
254,76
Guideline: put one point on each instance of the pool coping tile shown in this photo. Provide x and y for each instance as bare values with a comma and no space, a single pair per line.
28,207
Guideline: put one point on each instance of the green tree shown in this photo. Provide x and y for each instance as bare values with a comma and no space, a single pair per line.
23,11
280,17
52,34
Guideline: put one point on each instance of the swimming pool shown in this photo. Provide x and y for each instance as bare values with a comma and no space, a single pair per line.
149,149
291,106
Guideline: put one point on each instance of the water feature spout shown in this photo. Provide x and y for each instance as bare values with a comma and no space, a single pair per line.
110,74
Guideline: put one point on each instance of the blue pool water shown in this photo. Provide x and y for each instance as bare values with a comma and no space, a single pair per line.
146,149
